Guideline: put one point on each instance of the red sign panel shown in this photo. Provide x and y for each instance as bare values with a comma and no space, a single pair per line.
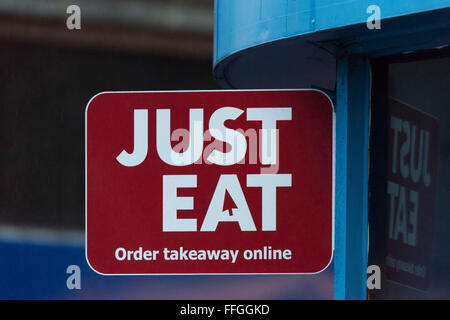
209,182
411,191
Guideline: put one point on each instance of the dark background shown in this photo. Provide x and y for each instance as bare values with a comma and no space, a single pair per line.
47,76
44,91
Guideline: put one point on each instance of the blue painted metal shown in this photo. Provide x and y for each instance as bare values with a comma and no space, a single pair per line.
293,44
243,24
352,172
36,269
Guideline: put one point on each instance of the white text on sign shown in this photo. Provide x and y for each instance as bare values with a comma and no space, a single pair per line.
228,183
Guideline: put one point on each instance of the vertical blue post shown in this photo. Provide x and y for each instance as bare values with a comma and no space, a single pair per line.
352,163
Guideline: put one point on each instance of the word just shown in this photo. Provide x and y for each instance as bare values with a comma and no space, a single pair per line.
191,150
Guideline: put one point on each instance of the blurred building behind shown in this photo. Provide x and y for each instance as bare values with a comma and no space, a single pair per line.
48,74
166,27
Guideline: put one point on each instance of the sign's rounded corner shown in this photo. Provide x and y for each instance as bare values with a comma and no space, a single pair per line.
91,265
93,98
328,263
324,94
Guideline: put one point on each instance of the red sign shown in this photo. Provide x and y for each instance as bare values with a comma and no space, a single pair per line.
411,191
209,182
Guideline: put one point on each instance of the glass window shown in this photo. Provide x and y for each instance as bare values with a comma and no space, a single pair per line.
409,212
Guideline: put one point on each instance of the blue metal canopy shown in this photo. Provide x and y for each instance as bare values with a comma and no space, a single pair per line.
294,43
327,44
